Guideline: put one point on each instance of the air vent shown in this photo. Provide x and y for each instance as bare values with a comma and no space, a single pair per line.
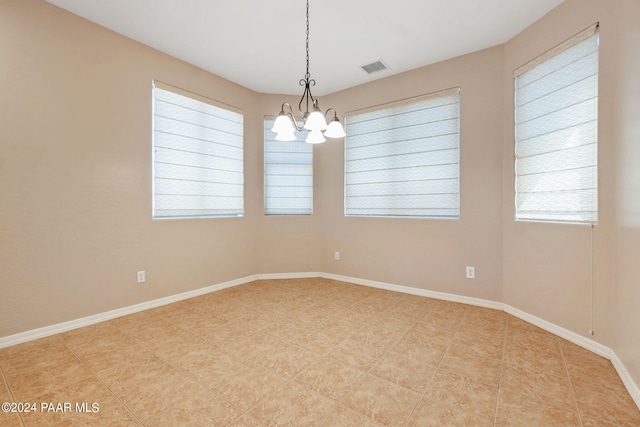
374,67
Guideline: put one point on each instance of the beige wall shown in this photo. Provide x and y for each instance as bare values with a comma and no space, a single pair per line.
75,174
547,267
75,184
626,113
285,243
425,253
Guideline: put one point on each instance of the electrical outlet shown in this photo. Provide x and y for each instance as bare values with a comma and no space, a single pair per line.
471,272
141,277
336,256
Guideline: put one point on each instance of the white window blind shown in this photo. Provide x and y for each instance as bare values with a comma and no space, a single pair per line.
288,174
402,159
556,110
197,156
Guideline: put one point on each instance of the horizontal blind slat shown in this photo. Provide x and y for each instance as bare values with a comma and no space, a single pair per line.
556,136
402,159
288,174
198,159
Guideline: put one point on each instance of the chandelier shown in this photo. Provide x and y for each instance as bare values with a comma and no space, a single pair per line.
314,121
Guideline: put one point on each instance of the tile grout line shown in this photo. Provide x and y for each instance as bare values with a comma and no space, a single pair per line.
96,376
387,351
435,372
152,352
573,393
360,326
13,398
504,352
317,327
368,371
186,373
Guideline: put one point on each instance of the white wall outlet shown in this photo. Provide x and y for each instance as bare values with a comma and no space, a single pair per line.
336,256
471,272
141,277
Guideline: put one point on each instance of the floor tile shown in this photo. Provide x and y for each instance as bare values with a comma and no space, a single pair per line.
610,404
314,352
56,370
143,385
342,416
416,345
210,369
355,353
436,331
293,405
456,401
330,379
479,345
460,361
376,336
404,371
249,385
9,419
517,409
194,406
245,421
382,401
539,385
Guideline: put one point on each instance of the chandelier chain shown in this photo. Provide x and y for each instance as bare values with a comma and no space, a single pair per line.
314,121
307,76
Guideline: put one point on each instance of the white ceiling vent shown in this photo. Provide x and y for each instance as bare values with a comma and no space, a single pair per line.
375,67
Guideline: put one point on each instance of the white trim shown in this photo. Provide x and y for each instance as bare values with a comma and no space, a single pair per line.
303,275
416,291
631,386
584,342
577,339
119,312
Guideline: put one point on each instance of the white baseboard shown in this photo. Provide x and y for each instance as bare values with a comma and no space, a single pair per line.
304,275
577,339
631,385
416,291
101,317
587,343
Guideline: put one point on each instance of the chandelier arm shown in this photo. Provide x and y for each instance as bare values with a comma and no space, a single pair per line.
292,117
306,95
335,113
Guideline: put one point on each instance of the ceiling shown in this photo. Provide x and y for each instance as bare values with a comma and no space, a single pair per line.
261,44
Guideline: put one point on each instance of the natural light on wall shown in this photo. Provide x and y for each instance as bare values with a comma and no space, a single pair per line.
556,133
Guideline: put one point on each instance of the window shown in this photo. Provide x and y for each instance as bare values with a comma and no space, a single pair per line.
402,159
197,156
288,174
556,133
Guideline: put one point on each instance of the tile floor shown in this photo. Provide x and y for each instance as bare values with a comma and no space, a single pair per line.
312,352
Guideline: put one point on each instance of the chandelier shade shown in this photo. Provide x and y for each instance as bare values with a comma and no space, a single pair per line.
283,124
315,137
334,129
314,121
